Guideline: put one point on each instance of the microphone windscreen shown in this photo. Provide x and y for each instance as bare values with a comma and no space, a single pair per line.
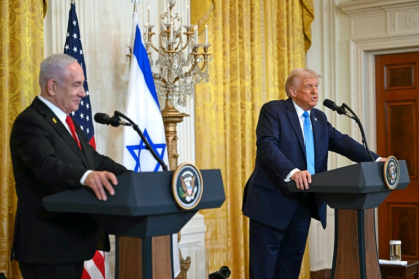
329,103
101,118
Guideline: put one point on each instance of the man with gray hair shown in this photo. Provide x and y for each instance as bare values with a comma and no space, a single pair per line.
293,141
50,154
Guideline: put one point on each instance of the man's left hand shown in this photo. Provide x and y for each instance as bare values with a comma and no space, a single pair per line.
98,181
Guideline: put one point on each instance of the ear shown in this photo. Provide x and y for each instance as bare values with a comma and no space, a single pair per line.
292,92
51,87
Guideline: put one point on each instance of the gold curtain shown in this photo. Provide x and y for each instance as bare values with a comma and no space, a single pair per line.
254,45
22,50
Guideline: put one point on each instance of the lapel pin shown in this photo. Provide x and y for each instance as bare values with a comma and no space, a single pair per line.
315,119
54,120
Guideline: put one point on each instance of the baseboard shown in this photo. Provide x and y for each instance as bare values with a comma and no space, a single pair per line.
321,274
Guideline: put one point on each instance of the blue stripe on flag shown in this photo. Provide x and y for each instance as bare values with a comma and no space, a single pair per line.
142,59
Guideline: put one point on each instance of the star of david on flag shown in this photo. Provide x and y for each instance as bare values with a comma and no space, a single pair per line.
137,151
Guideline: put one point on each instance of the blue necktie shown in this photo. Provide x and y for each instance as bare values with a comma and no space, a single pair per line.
309,143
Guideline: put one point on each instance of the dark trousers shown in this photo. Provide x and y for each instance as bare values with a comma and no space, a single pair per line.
51,271
277,254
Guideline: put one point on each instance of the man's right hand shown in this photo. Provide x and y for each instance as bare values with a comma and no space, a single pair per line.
98,180
302,179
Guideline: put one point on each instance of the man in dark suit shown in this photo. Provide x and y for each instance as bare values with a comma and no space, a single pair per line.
280,219
48,159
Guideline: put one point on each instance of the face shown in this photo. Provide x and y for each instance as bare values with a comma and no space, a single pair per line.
306,94
67,96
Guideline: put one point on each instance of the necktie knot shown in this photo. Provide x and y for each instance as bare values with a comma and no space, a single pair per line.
306,115
70,124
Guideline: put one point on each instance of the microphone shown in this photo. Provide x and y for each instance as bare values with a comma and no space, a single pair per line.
330,104
105,119
115,121
342,110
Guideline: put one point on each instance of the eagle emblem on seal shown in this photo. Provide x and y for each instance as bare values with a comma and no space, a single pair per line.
188,186
391,172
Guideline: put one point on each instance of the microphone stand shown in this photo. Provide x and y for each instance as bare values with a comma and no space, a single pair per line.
147,144
364,140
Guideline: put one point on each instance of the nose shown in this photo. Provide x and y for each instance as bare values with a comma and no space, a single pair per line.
82,92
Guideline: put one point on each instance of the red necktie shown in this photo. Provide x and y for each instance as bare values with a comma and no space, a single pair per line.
72,129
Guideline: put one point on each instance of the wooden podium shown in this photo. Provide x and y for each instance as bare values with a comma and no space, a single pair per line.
354,191
142,207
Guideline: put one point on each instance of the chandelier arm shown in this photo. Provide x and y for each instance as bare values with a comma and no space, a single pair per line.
159,77
162,48
176,79
152,46
204,66
178,46
185,46
190,72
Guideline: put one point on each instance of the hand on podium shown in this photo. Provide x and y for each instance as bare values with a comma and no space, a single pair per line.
98,180
302,179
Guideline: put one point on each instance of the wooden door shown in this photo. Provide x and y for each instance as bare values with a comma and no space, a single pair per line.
397,111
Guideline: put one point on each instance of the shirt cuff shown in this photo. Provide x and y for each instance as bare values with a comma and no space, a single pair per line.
83,178
288,178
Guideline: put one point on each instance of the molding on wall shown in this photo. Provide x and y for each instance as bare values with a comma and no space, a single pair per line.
395,39
355,7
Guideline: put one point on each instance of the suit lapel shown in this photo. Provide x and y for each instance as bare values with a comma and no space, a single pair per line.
295,122
59,127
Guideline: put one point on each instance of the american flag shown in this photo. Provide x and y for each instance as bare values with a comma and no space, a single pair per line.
95,268
73,47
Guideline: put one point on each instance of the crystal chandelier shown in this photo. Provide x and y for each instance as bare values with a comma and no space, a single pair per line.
182,62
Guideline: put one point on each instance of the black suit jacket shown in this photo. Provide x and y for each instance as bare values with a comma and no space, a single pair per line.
47,160
280,149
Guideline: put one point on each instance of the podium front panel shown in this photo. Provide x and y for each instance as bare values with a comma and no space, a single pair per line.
143,204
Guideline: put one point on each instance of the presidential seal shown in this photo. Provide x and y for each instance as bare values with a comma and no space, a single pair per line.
391,172
187,186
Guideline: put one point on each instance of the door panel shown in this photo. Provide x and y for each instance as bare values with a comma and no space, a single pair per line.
397,97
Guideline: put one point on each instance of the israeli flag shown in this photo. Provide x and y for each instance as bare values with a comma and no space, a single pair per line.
143,108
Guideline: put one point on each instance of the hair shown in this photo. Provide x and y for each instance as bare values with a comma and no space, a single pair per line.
294,78
54,67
